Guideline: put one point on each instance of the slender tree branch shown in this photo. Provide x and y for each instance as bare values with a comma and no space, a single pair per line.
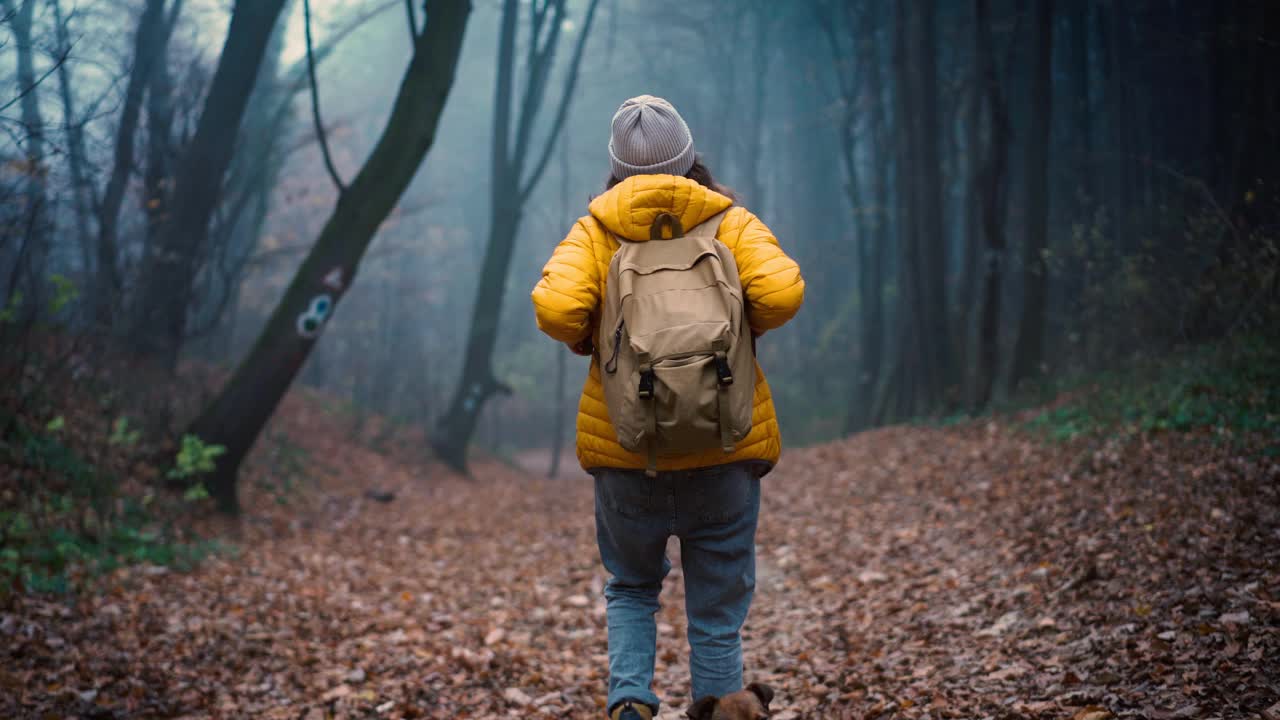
62,57
500,158
413,20
295,74
535,29
563,111
539,64
294,80
315,102
175,14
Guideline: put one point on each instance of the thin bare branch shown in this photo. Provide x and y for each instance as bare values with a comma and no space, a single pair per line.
539,64
62,57
315,102
563,111
413,20
175,14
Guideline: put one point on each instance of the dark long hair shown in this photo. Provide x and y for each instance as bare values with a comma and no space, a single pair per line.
699,173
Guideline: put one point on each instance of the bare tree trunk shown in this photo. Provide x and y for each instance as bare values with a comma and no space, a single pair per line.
560,421
34,187
160,152
1035,274
1075,273
251,178
923,356
169,271
858,73
873,350
988,191
913,361
760,55
967,309
107,293
836,20
387,356
875,228
80,188
1246,149
1081,111
720,43
939,359
458,424
508,193
237,415
932,237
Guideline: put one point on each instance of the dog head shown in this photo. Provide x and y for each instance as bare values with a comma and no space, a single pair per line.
749,704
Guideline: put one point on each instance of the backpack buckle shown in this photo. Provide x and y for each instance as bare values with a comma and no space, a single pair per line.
646,384
723,373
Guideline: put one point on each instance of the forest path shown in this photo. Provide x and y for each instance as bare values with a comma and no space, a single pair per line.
907,572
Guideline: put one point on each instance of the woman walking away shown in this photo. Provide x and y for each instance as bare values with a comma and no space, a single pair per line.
666,283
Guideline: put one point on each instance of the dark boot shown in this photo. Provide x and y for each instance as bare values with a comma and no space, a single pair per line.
631,710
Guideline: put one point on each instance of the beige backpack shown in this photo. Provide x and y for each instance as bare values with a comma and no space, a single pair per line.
678,368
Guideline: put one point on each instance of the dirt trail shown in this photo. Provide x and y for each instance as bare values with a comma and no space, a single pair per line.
908,572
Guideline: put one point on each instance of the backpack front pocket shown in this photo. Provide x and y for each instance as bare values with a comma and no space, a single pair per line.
685,404
682,408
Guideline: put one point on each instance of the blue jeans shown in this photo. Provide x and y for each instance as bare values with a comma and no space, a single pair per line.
713,511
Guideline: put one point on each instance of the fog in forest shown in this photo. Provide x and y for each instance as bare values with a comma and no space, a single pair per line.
280,435
983,197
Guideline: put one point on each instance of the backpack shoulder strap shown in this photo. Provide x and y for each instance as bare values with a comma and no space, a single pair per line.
710,226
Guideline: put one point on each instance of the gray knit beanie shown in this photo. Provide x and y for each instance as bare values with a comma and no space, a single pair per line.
648,138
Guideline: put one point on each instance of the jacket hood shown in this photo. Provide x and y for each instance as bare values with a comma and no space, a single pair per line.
629,208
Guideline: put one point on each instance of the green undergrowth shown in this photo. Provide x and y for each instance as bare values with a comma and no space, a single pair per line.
1229,388
65,522
57,558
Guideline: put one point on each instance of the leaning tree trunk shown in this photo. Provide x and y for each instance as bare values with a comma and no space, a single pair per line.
238,414
170,268
1035,273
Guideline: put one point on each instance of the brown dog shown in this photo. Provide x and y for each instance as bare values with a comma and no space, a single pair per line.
749,704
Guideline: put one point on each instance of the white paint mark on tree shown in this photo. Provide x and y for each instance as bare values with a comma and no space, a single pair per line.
333,280
311,320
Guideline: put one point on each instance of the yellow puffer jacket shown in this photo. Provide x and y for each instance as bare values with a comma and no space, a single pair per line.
567,302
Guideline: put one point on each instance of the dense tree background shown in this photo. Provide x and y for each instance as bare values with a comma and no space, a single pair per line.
274,410
987,197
